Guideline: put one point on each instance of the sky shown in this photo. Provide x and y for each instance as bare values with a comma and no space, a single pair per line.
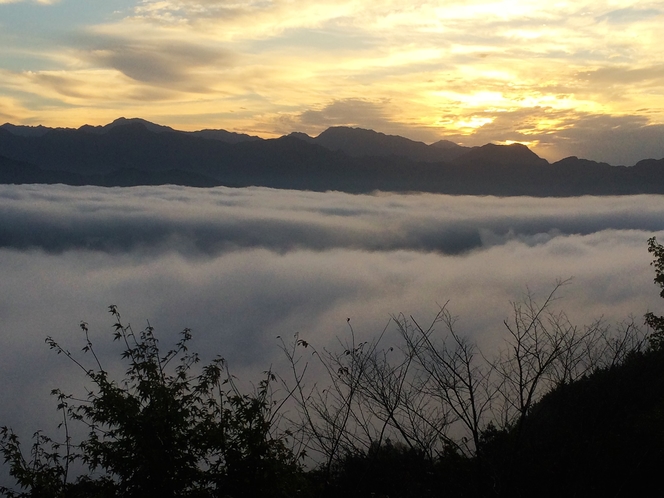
240,267
581,78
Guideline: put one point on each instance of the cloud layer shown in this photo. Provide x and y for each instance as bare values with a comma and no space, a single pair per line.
242,266
211,222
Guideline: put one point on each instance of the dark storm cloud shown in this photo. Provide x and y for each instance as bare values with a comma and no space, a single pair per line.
214,221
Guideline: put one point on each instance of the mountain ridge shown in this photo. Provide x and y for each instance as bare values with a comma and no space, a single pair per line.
355,141
340,158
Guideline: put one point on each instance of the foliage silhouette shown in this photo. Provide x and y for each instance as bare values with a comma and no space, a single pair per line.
162,430
656,322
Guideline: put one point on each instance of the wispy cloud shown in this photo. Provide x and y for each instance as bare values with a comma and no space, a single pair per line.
162,63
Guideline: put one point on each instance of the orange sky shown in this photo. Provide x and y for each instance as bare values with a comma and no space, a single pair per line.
583,77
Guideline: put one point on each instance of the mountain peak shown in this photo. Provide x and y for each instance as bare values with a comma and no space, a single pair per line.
122,121
302,136
515,154
446,145
360,142
348,133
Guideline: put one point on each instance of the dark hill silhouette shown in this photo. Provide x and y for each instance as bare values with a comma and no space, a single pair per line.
302,136
649,166
358,142
223,136
599,436
20,172
155,128
137,152
501,155
27,131
447,144
17,172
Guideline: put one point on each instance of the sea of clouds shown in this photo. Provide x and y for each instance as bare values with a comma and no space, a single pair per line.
243,266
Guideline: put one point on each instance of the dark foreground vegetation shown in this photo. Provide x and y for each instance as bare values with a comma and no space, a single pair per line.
560,410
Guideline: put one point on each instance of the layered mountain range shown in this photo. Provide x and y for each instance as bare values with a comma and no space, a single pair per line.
130,152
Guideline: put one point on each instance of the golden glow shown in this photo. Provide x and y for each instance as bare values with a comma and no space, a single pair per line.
477,99
473,122
427,70
531,145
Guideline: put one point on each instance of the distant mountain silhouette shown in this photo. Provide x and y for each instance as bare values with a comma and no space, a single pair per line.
358,142
155,128
17,172
138,152
649,165
221,135
501,155
25,131
224,136
302,136
446,144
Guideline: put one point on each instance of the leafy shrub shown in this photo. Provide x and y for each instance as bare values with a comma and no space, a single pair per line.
163,430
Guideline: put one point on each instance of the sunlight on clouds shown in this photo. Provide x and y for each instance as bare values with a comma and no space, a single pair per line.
111,90
10,108
530,145
243,20
74,87
473,122
482,8
524,34
436,67
478,99
392,59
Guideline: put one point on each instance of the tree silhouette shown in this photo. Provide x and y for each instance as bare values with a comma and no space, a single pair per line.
656,322
164,430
